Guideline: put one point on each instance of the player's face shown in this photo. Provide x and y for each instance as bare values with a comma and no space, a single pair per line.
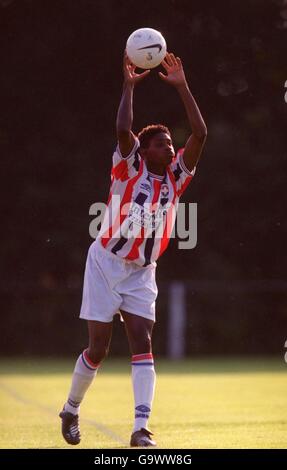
160,149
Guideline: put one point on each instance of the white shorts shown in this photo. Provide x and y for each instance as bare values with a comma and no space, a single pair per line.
112,284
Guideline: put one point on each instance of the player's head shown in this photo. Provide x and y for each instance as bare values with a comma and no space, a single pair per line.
156,144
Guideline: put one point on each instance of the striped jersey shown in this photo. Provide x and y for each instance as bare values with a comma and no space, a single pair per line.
141,207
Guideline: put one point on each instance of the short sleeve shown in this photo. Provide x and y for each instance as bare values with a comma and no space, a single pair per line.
181,173
126,167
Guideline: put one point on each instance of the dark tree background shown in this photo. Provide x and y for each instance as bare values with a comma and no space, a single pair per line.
60,86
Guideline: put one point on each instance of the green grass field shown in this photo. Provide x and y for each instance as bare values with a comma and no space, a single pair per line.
233,403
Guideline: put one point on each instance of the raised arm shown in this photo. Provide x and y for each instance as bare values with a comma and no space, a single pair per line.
125,135
176,77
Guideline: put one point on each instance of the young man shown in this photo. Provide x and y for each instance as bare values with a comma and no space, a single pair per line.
148,180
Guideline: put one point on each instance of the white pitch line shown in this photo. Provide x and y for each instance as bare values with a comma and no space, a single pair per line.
100,427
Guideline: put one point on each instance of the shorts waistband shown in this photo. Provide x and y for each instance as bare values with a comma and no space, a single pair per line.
99,246
125,262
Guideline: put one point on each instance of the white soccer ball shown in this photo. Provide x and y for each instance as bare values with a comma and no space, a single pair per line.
146,48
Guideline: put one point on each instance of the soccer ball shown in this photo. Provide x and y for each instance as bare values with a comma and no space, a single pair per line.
146,48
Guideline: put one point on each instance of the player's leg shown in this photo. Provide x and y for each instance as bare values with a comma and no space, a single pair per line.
139,332
88,363
84,373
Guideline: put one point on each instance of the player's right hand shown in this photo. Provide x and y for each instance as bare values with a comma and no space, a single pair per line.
130,76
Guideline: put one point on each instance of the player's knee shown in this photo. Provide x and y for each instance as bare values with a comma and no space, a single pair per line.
142,343
97,353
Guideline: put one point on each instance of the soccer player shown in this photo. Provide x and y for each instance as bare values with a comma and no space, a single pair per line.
147,180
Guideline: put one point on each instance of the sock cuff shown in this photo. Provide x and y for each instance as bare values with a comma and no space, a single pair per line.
145,359
73,403
87,361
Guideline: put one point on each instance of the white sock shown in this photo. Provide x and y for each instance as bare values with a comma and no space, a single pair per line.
84,373
143,377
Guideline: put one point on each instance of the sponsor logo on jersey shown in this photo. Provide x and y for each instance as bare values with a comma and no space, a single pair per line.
146,186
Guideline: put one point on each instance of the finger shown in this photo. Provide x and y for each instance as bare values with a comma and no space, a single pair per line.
127,60
126,57
173,59
143,74
179,60
165,64
169,59
162,76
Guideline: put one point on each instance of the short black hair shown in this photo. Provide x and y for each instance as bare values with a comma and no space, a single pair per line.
148,132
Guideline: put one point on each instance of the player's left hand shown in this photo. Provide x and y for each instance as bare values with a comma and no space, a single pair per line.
175,73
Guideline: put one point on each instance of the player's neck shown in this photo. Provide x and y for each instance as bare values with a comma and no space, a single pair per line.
156,169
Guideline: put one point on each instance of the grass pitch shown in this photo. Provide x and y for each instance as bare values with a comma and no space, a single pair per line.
202,403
